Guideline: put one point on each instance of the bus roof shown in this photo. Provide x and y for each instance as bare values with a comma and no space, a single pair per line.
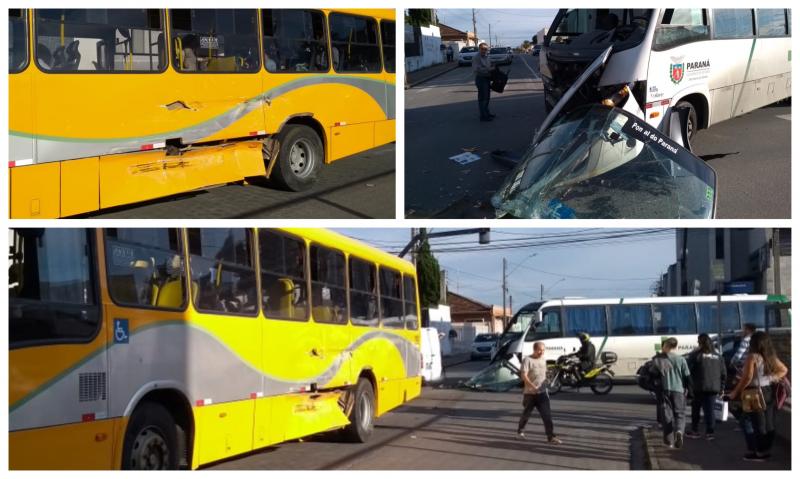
350,245
381,13
659,300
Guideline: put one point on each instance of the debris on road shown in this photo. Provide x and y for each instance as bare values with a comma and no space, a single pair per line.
465,158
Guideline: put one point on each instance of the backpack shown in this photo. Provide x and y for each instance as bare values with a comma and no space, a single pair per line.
783,391
651,375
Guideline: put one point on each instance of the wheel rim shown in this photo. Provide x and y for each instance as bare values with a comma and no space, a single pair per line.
301,158
365,412
150,450
602,383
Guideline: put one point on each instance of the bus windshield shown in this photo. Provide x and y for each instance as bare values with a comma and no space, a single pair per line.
598,162
598,28
518,325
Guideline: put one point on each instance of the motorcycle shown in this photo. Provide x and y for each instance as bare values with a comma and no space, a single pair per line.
566,372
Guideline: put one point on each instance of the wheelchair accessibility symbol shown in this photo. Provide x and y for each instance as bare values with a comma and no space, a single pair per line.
121,331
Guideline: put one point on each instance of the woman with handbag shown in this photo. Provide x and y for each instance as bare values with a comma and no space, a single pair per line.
761,369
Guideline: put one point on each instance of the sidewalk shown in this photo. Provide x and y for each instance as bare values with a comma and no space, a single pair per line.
420,76
723,453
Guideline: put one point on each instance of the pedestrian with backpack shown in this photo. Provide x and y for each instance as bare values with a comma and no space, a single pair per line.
675,383
708,380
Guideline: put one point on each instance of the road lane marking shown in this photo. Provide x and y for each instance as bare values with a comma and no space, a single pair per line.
785,117
422,90
535,76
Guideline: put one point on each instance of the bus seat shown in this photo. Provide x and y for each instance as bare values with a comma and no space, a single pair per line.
162,51
154,294
73,56
179,51
44,56
323,314
59,58
170,295
222,64
280,297
100,64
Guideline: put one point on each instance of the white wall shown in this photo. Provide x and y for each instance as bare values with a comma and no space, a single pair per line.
440,319
431,52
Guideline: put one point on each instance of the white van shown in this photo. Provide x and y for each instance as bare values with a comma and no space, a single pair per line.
431,355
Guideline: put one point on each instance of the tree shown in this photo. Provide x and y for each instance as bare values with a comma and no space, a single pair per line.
420,17
429,276
526,45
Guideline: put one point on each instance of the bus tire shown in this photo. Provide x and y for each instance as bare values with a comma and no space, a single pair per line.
301,155
693,125
362,417
151,440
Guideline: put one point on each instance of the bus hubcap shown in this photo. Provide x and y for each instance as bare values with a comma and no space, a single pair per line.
366,412
150,451
301,158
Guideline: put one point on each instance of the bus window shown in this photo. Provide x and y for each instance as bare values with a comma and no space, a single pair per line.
674,319
680,26
51,287
354,41
410,299
221,265
585,319
630,320
145,267
772,22
328,289
387,41
550,327
284,292
17,40
294,41
214,40
100,40
755,313
707,318
363,293
733,23
391,299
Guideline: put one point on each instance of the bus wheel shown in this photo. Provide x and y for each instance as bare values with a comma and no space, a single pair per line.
300,158
362,417
692,125
151,441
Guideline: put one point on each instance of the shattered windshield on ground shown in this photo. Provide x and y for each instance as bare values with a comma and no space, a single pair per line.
601,162
499,376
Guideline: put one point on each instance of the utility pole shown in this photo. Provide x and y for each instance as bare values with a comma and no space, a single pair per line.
474,29
490,45
504,292
414,253
541,292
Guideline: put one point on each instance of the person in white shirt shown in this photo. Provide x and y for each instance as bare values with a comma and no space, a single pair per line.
534,378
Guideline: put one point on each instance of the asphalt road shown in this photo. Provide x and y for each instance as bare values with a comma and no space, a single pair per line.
360,186
455,429
751,154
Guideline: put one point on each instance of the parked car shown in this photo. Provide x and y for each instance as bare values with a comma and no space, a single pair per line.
466,54
500,55
482,346
536,49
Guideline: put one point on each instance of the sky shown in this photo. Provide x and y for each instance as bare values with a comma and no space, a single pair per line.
512,26
612,267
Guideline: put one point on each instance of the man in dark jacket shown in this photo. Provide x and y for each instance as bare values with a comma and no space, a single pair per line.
586,354
708,379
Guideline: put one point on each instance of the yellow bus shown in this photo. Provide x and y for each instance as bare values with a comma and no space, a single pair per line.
109,107
167,348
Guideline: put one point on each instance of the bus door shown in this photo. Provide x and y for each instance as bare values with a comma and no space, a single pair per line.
216,92
59,386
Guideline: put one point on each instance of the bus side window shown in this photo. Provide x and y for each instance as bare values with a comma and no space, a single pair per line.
410,301
755,313
214,40
294,41
680,26
100,40
328,287
284,292
708,322
51,287
772,22
145,267
391,298
355,41
363,293
387,42
221,264
17,40
733,23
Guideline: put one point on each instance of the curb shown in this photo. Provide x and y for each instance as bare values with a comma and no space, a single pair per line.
650,459
431,77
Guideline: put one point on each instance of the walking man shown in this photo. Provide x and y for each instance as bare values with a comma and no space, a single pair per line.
534,377
675,382
482,68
